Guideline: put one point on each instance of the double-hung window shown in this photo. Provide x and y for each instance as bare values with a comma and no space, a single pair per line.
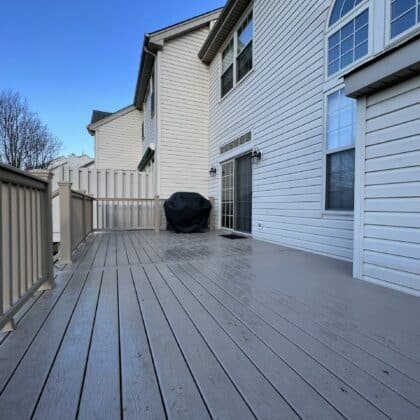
340,143
244,48
237,58
404,15
227,68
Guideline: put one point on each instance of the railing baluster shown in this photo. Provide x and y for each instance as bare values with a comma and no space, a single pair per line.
11,242
36,271
25,239
30,241
1,250
19,243
21,246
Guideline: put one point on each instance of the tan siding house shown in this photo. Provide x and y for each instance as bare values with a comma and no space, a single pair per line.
118,142
173,92
184,111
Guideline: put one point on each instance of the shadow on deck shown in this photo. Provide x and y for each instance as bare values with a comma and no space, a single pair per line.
146,325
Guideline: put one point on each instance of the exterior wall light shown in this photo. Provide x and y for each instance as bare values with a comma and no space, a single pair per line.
213,171
256,155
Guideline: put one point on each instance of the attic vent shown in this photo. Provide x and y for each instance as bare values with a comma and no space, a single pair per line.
246,138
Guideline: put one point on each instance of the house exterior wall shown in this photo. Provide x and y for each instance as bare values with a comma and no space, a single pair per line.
389,210
282,103
118,142
183,101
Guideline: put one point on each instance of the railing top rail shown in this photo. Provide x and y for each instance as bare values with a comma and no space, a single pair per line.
124,199
11,175
81,195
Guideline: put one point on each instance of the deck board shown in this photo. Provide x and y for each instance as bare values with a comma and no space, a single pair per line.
222,398
327,371
158,325
102,377
320,341
40,354
60,396
262,396
342,329
181,396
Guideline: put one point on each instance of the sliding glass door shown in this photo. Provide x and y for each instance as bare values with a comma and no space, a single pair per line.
237,194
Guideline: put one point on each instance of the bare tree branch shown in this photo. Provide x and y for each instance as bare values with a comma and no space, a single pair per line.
25,142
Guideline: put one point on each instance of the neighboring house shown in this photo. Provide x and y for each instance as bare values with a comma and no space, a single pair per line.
117,135
173,93
73,161
298,162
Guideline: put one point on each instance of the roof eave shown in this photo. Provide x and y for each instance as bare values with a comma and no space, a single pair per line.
154,42
228,18
147,61
112,116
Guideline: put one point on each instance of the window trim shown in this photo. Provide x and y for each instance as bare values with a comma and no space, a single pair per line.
388,39
234,36
222,73
325,152
330,30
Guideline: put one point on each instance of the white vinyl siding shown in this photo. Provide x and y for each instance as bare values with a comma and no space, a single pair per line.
183,101
118,143
390,225
284,109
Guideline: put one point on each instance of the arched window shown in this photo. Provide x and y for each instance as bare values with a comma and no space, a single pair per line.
349,35
341,8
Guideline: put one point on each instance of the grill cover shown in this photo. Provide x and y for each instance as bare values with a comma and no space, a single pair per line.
187,212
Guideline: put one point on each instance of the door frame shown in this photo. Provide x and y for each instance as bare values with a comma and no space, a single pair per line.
223,162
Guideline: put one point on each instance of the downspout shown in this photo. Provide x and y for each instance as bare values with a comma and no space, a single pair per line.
157,145
158,124
147,51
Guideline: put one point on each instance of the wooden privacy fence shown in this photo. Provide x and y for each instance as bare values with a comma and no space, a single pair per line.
105,184
76,219
26,255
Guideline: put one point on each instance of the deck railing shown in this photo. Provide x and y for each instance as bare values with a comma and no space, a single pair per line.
26,255
128,213
76,219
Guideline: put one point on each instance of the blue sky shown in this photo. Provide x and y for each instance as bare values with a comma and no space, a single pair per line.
69,57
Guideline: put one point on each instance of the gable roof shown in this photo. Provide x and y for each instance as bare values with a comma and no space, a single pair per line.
99,115
154,42
100,118
229,17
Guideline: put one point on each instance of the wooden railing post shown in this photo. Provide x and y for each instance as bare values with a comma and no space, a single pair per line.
157,214
65,194
84,214
47,230
212,224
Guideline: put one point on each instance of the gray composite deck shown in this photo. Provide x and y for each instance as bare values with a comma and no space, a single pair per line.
153,326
